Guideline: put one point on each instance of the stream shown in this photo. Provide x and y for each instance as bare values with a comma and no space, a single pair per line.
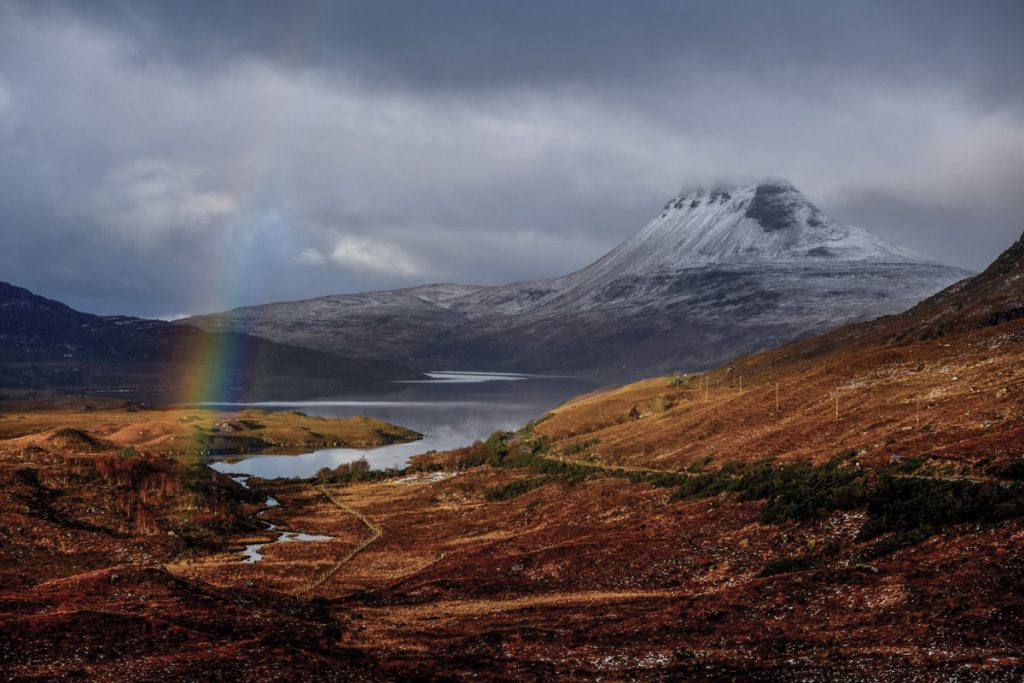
251,554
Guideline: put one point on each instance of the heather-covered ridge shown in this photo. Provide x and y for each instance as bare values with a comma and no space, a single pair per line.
942,378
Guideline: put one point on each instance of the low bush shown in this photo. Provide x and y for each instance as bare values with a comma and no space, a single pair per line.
527,430
917,503
911,507
801,492
911,465
786,565
580,446
354,472
515,488
569,471
891,543
1011,470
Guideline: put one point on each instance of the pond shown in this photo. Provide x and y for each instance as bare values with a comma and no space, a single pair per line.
450,408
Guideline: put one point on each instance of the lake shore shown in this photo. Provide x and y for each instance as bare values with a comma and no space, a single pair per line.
92,426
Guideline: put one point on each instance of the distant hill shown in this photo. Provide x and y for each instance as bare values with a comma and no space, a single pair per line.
719,273
45,344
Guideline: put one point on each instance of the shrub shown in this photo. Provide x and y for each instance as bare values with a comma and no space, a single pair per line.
515,488
580,446
911,464
569,471
700,463
352,472
704,486
891,544
662,479
916,503
1012,470
497,446
527,430
470,456
802,492
785,565
799,491
196,478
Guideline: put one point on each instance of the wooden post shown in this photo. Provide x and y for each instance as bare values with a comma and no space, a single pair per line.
776,397
837,404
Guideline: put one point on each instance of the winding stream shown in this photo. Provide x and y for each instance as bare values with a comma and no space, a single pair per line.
251,554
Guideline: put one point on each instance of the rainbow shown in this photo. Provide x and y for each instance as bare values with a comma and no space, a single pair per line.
218,368
223,366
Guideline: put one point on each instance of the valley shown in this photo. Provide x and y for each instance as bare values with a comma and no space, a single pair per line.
373,342
740,523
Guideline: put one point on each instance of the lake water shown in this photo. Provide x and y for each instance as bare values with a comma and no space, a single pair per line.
451,409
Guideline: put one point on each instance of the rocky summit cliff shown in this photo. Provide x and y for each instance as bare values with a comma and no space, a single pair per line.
718,273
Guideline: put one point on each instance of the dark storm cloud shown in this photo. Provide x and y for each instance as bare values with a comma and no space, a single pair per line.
173,157
483,44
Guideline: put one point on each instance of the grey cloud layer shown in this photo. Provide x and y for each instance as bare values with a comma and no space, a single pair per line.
172,157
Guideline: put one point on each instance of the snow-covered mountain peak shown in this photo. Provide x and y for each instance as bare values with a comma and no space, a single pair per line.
768,221
774,205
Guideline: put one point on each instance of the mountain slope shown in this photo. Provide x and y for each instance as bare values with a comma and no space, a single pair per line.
717,274
991,298
45,344
384,325
939,381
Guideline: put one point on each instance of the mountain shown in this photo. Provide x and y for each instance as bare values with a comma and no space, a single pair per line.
45,344
717,274
373,325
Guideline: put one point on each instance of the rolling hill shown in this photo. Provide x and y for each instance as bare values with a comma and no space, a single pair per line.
47,345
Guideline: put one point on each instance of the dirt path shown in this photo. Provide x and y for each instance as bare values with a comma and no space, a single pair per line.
375,533
457,607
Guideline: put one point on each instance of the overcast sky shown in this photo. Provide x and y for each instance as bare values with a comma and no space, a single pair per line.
180,157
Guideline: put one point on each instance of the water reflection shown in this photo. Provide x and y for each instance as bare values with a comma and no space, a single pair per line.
449,413
454,377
